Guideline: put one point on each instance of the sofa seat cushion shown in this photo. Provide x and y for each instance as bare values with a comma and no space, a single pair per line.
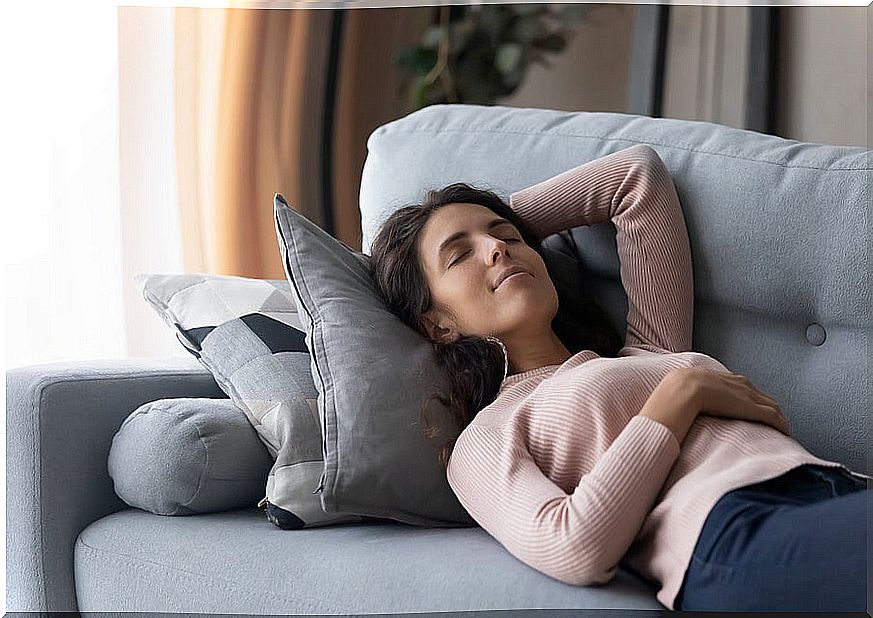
236,562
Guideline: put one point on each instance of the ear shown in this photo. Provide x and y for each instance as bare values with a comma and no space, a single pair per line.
439,328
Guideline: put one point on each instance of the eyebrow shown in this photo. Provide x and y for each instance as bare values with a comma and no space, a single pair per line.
458,235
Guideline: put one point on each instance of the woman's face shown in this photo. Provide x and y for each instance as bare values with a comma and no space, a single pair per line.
464,249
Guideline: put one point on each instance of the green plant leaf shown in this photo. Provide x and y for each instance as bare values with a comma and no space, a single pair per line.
529,29
513,80
494,21
417,93
416,60
491,47
402,59
459,35
432,37
553,42
508,57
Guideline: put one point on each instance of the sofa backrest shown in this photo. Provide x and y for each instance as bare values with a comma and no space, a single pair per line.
778,233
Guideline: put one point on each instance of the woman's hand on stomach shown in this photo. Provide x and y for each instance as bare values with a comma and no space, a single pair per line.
732,395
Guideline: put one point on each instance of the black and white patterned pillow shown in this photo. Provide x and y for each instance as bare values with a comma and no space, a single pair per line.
247,333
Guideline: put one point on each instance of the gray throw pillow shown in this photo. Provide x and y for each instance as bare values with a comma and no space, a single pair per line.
246,332
372,373
186,456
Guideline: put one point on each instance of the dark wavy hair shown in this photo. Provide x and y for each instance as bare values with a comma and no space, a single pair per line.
472,364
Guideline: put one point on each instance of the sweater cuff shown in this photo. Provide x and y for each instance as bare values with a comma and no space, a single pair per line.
645,439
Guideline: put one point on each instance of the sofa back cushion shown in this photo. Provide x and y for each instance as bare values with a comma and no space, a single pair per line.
778,232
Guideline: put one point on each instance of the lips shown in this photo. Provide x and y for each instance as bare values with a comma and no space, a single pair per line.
512,270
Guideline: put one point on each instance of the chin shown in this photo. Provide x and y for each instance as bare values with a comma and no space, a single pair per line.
531,311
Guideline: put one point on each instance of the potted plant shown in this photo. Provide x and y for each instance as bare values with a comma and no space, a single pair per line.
478,53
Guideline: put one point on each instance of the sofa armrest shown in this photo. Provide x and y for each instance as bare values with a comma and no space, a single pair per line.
60,420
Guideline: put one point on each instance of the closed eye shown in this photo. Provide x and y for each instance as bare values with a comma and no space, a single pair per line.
464,254
460,257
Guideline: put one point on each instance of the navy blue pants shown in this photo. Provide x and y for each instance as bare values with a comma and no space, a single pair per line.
797,542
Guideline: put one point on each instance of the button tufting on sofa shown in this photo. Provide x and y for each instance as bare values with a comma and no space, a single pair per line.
815,334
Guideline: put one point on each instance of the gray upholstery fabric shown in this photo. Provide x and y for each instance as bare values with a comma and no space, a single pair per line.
234,562
60,419
778,232
188,455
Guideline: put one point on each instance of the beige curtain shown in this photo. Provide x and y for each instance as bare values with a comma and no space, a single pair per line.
367,97
250,93
199,37
259,134
269,132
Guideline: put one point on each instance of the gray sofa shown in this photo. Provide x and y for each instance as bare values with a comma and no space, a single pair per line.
778,232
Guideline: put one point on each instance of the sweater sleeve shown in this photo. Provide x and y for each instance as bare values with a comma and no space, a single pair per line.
632,188
577,538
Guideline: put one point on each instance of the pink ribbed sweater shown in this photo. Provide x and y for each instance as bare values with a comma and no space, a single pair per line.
560,468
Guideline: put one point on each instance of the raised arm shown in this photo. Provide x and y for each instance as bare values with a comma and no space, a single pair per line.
577,538
632,188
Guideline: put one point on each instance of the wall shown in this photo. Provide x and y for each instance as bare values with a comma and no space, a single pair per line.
591,73
823,78
824,74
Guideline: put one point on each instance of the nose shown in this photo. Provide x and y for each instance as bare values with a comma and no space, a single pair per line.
498,246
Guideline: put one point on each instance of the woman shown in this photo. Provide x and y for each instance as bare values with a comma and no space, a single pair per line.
571,459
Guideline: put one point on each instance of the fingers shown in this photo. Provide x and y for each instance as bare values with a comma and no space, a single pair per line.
754,389
767,406
784,421
767,398
778,420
